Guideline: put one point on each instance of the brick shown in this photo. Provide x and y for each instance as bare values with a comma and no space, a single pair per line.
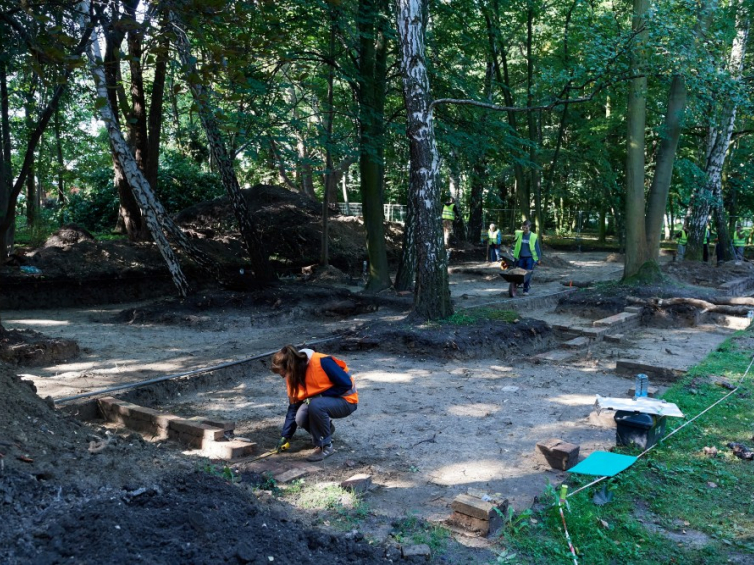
560,454
576,343
633,309
228,450
477,525
358,483
555,355
617,319
225,425
472,506
651,391
615,338
633,368
196,429
291,475
416,552
594,333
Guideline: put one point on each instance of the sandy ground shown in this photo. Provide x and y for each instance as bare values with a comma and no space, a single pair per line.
426,429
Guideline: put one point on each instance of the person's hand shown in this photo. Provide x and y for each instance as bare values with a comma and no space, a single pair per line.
282,445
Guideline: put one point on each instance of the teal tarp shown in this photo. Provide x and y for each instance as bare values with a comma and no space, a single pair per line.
603,464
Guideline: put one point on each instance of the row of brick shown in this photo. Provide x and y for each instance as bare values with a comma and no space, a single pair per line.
198,433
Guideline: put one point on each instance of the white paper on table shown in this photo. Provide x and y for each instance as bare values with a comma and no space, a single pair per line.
642,404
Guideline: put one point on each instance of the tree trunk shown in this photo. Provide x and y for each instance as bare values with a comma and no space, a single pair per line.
330,181
406,275
141,190
660,188
636,241
260,266
431,293
371,97
59,158
709,195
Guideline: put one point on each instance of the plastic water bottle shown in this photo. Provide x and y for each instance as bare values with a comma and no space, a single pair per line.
642,386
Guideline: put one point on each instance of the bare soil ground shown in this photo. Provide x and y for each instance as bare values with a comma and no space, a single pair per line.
444,409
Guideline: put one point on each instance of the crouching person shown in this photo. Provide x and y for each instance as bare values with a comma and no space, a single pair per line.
320,388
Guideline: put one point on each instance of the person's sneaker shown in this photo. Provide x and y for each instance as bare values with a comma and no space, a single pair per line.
321,453
526,293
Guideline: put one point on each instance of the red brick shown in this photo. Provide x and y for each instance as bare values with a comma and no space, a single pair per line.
227,450
559,454
196,429
472,506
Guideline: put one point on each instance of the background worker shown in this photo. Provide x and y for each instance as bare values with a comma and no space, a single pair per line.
449,214
494,239
526,251
319,388
706,242
739,242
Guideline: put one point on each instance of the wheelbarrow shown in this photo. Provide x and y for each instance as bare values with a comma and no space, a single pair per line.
516,276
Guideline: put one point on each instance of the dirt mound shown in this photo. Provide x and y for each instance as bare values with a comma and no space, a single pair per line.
708,274
291,226
68,235
74,493
27,347
468,341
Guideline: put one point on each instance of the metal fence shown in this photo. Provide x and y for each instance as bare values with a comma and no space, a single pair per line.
393,212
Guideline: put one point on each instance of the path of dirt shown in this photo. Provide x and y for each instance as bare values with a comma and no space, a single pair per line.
434,421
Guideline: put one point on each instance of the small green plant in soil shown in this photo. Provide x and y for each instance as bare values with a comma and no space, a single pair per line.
412,530
675,505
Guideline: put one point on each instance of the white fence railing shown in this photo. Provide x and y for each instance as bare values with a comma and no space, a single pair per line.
393,212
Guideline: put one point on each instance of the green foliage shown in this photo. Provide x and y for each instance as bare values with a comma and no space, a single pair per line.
181,183
224,472
417,531
94,207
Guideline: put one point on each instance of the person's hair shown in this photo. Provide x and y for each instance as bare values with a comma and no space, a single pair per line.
492,226
526,223
291,363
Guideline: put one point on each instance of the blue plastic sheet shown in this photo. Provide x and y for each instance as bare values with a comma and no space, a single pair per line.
603,464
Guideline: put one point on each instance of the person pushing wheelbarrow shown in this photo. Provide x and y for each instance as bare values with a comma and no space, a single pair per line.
526,255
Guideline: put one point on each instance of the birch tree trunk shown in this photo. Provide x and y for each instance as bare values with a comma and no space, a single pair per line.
139,186
431,292
260,264
709,196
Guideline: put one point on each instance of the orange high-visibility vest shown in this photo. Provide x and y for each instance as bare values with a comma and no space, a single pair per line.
317,381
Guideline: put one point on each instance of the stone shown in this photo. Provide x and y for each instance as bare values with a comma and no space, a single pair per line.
416,553
358,483
559,454
291,475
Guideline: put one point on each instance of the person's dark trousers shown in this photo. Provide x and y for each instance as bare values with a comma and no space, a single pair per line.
315,416
705,253
528,264
494,254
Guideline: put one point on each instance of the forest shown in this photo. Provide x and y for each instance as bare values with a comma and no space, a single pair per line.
118,114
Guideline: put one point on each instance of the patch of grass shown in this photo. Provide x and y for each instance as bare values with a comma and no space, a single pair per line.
412,530
327,497
474,315
221,471
673,489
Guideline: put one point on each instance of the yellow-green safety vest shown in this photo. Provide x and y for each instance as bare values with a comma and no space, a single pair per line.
532,244
493,237
684,239
739,241
448,213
